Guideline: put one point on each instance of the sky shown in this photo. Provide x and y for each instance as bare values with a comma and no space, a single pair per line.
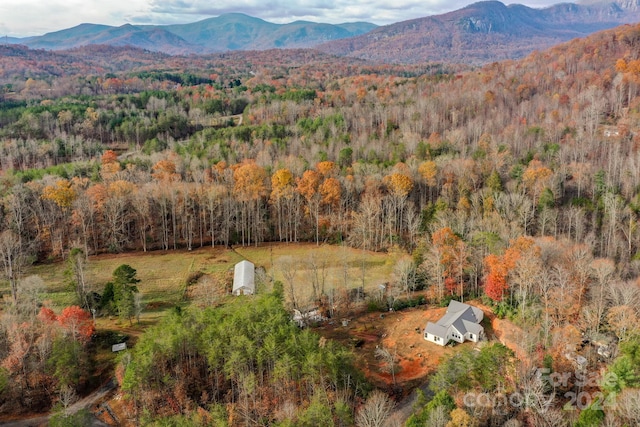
22,18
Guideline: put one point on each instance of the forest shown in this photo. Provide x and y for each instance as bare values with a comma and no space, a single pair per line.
517,183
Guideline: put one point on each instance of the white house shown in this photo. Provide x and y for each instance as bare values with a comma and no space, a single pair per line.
244,278
460,323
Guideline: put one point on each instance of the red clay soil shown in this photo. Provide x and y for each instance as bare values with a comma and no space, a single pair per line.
505,332
401,333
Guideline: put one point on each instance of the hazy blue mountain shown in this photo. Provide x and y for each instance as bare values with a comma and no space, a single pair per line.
233,31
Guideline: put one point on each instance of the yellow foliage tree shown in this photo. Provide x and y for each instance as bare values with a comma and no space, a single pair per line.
461,418
428,170
326,168
400,185
536,178
61,193
281,184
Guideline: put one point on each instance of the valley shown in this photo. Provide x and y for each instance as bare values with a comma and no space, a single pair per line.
368,193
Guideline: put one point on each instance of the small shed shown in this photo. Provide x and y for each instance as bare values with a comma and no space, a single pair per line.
305,318
244,278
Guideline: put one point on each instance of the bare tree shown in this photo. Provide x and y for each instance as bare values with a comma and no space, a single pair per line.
439,417
67,396
138,305
603,271
12,258
375,411
319,271
389,361
405,275
627,406
29,301
77,266
288,266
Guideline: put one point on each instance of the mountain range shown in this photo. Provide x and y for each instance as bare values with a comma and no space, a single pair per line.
485,32
232,31
479,33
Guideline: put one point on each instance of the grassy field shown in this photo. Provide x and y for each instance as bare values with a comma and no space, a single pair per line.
344,267
163,275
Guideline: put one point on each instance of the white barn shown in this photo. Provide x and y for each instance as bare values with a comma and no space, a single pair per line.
460,323
244,278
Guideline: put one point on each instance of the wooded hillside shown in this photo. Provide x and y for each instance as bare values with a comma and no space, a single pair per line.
518,181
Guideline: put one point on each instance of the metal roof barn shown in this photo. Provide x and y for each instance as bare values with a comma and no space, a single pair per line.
244,278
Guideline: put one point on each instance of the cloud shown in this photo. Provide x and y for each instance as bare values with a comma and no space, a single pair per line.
331,11
35,17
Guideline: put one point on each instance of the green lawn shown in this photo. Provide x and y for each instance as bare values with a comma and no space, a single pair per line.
163,275
345,267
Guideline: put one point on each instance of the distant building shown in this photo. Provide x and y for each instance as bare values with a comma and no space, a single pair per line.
610,132
461,322
244,276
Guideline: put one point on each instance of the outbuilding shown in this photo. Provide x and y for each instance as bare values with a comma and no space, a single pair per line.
244,278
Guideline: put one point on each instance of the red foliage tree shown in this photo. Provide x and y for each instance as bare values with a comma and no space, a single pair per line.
47,316
109,156
77,323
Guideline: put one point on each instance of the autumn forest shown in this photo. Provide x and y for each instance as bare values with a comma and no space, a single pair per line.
516,184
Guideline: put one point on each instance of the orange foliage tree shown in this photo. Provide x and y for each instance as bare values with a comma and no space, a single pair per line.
165,171
308,187
326,168
282,200
249,188
109,165
499,267
496,281
399,186
453,258
330,190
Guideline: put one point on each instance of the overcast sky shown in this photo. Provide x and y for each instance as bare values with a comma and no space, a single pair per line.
19,18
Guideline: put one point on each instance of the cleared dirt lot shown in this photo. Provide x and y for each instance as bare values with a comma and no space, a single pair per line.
401,333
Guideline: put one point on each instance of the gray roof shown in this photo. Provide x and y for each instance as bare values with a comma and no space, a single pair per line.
244,277
435,329
463,317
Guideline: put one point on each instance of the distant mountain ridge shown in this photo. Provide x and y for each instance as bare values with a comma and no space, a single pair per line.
233,31
484,32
